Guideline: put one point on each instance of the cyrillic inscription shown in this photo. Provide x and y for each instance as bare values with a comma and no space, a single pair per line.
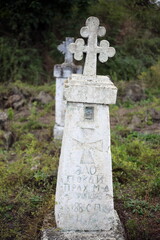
79,207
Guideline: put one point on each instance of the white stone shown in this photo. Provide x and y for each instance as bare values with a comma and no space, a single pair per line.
98,89
84,186
62,72
116,233
91,31
84,192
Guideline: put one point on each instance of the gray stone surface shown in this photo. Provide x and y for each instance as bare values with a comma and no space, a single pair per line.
113,234
43,97
19,104
155,114
13,99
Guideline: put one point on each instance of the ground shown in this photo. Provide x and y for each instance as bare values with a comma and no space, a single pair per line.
29,161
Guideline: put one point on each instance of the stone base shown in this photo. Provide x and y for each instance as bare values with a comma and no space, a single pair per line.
56,234
58,132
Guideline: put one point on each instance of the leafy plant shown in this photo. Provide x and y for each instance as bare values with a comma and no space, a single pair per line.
10,113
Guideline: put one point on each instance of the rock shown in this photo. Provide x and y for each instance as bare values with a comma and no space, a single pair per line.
13,99
134,92
18,104
26,93
35,167
3,119
22,92
135,122
36,160
9,139
155,115
43,98
16,90
6,139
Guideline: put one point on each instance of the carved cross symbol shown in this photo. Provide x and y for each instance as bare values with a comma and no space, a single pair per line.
88,147
91,31
63,48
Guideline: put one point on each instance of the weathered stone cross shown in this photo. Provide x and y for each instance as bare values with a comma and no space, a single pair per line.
91,31
85,208
63,48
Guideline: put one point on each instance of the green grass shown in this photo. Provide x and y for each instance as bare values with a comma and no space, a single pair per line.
28,170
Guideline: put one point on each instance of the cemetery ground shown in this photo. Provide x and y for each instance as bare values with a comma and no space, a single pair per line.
29,159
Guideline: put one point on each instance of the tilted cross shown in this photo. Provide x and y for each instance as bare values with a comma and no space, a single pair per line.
91,31
63,48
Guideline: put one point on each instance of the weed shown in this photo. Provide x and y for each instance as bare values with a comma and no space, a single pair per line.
10,113
141,207
151,77
155,185
132,226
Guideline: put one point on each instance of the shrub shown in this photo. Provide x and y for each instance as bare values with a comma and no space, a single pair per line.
17,63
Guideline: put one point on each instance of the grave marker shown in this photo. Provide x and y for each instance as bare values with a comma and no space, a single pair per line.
62,72
84,206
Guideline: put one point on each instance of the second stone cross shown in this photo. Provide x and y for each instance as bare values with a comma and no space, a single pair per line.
62,72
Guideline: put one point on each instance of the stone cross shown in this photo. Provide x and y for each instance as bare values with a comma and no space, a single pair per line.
63,48
84,206
92,31
62,72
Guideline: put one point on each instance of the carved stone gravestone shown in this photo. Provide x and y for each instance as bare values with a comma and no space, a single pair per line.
84,208
62,72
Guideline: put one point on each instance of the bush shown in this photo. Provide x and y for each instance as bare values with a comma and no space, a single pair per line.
19,63
152,76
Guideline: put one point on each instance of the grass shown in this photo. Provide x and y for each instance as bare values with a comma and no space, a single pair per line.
27,184
28,169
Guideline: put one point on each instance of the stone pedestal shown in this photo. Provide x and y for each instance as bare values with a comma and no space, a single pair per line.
117,233
84,193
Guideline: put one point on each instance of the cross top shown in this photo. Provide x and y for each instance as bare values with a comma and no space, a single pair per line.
91,31
63,48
